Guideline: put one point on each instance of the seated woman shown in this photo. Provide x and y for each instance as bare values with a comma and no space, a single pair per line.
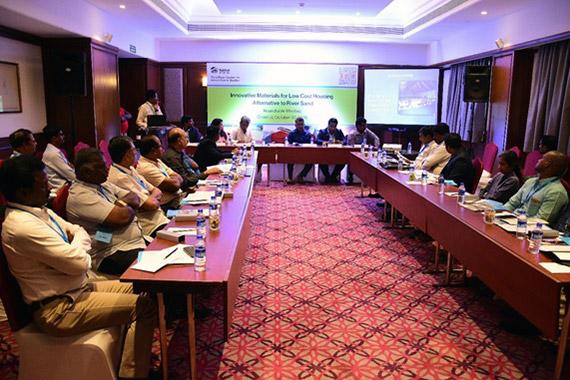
506,183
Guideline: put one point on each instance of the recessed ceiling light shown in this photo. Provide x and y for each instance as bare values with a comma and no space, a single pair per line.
484,13
238,11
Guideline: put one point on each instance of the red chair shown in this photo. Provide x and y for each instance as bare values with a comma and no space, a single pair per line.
104,148
489,156
59,203
478,168
279,137
517,151
530,162
79,146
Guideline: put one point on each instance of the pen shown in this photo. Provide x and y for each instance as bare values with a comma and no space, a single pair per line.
170,253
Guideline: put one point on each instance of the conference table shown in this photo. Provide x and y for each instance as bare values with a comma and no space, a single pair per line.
495,256
225,250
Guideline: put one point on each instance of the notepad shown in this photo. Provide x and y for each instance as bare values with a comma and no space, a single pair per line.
210,182
556,267
198,198
554,248
190,215
225,168
153,261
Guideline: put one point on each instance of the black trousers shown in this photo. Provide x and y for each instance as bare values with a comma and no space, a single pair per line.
336,171
118,262
303,173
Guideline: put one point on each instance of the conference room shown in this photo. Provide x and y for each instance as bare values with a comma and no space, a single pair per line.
216,189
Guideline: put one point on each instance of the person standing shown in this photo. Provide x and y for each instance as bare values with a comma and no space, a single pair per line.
149,107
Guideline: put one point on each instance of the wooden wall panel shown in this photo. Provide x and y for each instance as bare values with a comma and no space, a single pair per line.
500,95
132,85
195,95
105,93
520,96
153,76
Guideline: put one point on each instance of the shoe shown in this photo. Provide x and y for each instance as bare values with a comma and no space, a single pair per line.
300,180
290,181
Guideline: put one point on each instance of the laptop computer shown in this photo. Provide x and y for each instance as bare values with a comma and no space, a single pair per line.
156,121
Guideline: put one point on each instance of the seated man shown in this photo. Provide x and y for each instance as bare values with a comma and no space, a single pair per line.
49,259
106,212
58,169
242,134
122,174
187,124
362,134
177,159
439,156
299,136
207,153
459,169
331,134
22,142
158,174
425,136
543,196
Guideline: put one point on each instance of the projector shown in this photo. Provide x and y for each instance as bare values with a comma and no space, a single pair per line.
392,147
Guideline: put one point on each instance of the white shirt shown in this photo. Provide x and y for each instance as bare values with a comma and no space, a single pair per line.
89,205
155,172
144,110
42,262
58,169
425,151
128,179
239,136
437,159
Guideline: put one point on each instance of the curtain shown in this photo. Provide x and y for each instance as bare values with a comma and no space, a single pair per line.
463,117
549,106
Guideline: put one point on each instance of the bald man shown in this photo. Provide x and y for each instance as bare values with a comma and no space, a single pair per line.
177,159
543,196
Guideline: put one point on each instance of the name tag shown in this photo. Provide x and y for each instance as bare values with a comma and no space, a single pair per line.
103,236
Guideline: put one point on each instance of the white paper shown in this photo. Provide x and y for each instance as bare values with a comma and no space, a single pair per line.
555,248
225,168
182,230
153,261
209,182
199,197
562,256
555,267
413,182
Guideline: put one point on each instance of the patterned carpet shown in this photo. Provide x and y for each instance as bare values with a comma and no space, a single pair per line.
329,292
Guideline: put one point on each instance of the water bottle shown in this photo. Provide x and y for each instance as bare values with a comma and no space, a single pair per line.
200,254
461,194
370,149
219,194
252,149
441,183
286,142
535,239
424,177
214,215
409,147
400,164
521,225
331,138
201,223
362,149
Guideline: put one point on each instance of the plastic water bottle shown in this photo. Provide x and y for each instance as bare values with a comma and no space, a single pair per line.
363,148
409,147
214,215
286,142
200,254
219,194
535,239
424,177
252,149
370,150
400,164
521,225
461,194
200,223
441,183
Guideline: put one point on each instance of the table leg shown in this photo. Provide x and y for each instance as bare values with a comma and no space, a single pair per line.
191,338
268,174
162,328
562,342
392,216
448,267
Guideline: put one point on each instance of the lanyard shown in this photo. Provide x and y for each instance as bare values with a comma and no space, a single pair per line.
101,190
59,230
140,181
536,190
162,169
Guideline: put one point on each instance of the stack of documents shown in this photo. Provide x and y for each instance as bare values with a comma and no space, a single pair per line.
189,215
210,182
225,168
198,198
555,267
562,252
153,261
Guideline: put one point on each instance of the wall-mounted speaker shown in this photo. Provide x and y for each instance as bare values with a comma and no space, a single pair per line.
68,73
476,84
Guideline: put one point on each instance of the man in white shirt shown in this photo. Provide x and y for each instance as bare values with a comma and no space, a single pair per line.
123,174
149,107
48,257
107,213
242,134
439,156
22,142
425,135
159,174
59,170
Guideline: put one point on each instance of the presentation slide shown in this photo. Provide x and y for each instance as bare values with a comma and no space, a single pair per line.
401,97
276,94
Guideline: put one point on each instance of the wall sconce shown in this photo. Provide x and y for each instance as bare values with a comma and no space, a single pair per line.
500,43
204,81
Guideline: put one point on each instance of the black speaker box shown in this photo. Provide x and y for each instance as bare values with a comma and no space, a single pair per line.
68,73
476,84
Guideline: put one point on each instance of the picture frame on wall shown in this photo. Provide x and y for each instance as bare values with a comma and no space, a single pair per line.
10,96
